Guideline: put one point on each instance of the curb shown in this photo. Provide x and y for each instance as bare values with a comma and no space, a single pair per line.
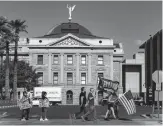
10,106
151,116
148,116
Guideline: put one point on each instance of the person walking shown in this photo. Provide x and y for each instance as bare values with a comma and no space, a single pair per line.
90,105
44,104
25,105
111,105
82,103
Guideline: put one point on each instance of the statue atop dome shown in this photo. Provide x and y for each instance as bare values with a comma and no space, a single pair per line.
70,8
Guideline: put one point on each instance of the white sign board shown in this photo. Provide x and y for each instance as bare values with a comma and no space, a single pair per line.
53,93
157,78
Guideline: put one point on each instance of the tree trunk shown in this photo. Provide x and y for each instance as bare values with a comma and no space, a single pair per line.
15,71
7,86
1,72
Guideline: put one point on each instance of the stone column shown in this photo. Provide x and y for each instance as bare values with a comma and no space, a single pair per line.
89,69
77,69
120,78
30,59
62,68
111,66
50,69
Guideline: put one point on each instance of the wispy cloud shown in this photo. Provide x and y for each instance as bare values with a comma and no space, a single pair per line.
139,42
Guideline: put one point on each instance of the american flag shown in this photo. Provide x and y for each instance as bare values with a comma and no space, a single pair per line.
128,102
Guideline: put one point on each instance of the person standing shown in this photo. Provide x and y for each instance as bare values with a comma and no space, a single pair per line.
90,105
29,95
25,105
44,104
82,103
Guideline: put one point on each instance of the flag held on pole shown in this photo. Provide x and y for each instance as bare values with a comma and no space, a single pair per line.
106,84
128,102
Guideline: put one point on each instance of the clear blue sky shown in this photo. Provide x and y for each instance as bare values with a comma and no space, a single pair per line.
125,21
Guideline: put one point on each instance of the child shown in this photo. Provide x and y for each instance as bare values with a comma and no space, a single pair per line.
44,104
25,105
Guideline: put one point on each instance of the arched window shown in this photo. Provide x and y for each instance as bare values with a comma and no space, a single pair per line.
69,97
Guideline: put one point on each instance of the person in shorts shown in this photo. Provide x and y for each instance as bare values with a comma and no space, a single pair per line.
111,105
44,104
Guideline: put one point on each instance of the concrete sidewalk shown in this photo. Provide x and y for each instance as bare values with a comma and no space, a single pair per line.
4,121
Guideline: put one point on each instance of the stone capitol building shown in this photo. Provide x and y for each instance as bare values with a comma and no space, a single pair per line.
70,56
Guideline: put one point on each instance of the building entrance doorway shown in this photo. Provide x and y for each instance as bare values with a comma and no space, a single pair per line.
69,95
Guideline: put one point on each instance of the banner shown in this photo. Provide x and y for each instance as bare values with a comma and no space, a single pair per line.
107,85
24,105
44,103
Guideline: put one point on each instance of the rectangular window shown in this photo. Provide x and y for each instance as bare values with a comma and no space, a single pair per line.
100,60
69,78
83,78
40,79
100,75
69,59
56,59
83,59
40,59
55,78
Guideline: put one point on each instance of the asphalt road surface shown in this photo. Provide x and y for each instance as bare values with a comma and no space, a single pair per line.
60,115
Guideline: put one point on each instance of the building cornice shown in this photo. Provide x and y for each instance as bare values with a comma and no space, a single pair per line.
118,55
71,47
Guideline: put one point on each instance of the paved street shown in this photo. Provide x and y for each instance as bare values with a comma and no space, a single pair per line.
60,115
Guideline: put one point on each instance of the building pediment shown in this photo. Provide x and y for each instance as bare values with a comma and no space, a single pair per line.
69,40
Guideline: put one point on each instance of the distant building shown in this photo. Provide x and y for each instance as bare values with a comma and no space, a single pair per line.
71,57
153,61
133,74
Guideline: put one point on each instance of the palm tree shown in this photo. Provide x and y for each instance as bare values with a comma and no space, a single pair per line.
17,27
6,37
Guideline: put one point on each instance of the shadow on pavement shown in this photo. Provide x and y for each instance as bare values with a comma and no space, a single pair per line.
124,119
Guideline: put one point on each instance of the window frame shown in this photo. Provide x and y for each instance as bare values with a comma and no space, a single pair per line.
85,80
54,79
98,75
42,78
69,80
38,62
100,60
55,56
69,56
83,60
